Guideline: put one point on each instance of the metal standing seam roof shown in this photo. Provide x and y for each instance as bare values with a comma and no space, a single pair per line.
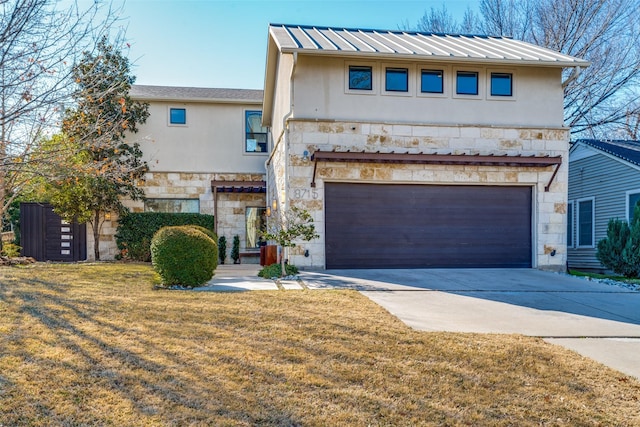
447,47
195,94
625,150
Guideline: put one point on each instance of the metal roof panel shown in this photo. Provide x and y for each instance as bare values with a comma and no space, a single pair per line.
323,40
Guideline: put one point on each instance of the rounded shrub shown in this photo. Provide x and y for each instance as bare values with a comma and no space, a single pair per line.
183,255
204,230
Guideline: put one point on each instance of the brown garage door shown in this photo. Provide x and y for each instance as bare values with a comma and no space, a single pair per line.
410,226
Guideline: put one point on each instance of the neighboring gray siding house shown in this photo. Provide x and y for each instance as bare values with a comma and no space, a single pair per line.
604,183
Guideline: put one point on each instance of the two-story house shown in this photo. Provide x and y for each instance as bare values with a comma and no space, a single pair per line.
206,150
418,150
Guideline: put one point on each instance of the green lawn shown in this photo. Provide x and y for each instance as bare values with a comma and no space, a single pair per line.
94,344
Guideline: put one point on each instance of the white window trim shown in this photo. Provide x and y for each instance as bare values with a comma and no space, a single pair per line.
626,204
177,107
446,81
411,69
573,223
481,82
514,85
375,77
593,222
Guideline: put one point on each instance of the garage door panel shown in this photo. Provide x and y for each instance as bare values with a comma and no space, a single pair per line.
377,225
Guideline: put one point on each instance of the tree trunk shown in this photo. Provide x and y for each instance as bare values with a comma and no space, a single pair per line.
96,235
282,263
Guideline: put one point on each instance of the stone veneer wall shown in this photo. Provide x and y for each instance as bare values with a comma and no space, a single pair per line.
549,208
178,185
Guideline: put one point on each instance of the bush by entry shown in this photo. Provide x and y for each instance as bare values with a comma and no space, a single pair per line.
184,255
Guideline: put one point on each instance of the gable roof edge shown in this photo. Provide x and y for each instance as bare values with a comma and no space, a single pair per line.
604,153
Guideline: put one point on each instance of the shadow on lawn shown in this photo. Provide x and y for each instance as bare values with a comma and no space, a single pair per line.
149,386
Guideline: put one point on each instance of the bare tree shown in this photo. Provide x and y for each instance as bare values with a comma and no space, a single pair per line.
40,41
598,99
506,18
438,21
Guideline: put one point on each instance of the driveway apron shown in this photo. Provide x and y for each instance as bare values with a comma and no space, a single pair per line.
594,319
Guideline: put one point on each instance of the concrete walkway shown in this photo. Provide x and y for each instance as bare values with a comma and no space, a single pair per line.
244,277
596,320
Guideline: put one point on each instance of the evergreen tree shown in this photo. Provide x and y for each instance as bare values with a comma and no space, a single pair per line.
631,251
98,127
610,249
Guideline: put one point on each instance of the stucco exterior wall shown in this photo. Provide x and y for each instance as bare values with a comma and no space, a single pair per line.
213,139
321,92
282,96
549,208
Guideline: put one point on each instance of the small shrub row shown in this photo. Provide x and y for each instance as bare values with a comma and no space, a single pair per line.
275,270
184,255
135,230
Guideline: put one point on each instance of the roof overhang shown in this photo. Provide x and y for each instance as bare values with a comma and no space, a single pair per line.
437,159
239,186
198,100
438,58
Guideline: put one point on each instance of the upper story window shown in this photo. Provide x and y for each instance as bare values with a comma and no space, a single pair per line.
360,77
431,81
177,116
397,80
466,83
501,84
255,133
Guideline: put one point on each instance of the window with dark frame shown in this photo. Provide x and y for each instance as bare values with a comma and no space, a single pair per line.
466,83
256,224
431,81
360,77
585,223
501,84
396,80
570,224
255,133
172,205
178,116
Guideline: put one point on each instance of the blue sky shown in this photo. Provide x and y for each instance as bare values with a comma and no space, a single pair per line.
222,43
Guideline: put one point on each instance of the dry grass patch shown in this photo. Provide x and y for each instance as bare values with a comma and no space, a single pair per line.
93,344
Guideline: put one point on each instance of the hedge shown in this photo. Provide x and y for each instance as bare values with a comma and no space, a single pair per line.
135,230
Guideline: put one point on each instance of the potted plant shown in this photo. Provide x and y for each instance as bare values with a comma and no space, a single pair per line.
235,250
222,249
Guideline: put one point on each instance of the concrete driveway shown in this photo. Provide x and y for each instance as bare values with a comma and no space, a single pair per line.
594,319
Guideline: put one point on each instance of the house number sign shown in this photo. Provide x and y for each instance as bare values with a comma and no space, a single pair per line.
305,193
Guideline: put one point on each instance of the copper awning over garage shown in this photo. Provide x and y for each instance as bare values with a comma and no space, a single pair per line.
435,159
239,186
